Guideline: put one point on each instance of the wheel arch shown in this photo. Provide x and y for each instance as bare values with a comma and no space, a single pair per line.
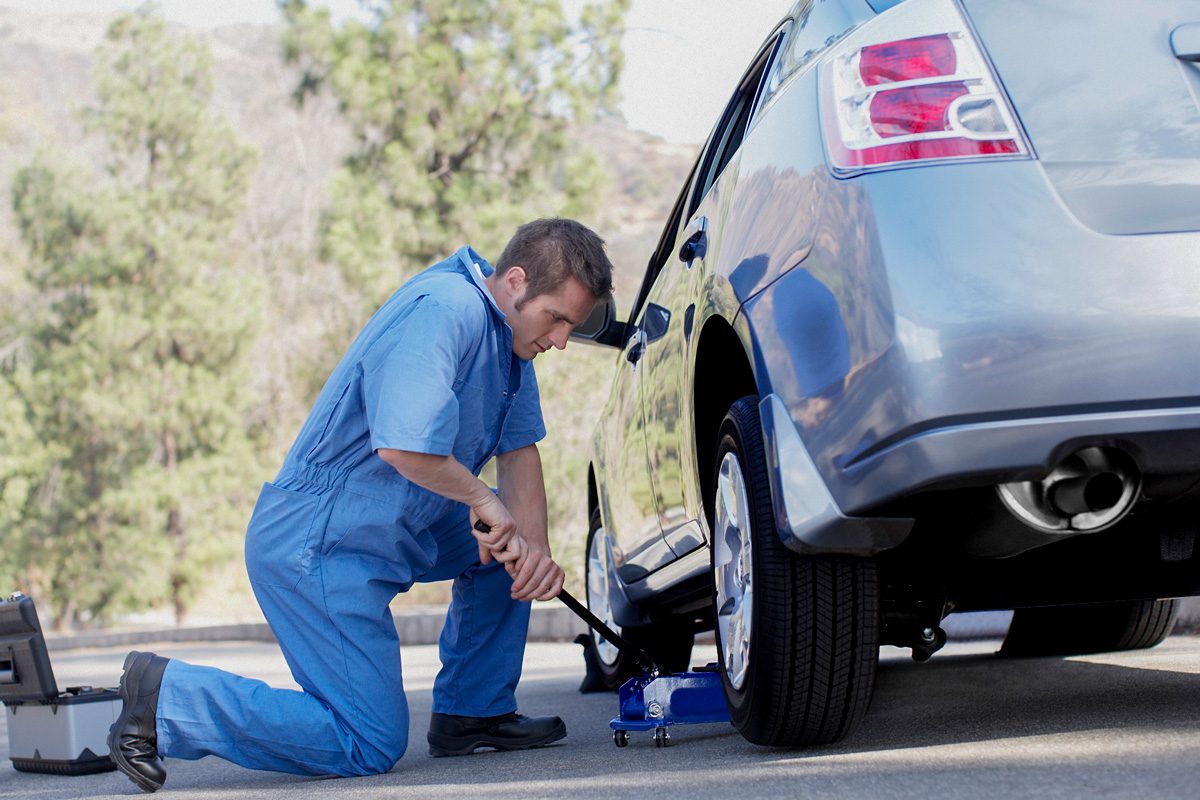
593,494
723,372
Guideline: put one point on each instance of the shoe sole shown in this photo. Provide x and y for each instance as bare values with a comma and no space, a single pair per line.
114,752
445,748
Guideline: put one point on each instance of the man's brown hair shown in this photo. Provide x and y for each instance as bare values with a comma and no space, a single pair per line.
552,249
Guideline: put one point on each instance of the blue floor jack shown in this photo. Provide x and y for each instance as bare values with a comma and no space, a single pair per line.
656,700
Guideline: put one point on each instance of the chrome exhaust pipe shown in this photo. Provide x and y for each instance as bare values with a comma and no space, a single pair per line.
1090,490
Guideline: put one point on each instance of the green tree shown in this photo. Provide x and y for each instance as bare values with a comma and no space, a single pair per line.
22,456
131,391
462,113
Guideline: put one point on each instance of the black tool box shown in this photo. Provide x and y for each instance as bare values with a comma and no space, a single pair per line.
63,733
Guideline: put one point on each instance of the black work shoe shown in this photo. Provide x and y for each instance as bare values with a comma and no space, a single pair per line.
133,738
451,735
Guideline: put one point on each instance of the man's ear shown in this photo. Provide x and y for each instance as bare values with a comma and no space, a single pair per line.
515,279
516,282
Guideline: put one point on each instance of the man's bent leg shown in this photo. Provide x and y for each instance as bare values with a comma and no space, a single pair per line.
247,722
483,641
352,717
482,647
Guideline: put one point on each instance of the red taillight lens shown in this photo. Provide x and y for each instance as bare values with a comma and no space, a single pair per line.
923,57
913,85
919,109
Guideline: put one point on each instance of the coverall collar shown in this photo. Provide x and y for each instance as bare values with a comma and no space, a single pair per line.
477,267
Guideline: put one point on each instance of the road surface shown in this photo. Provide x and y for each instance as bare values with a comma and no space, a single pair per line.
966,724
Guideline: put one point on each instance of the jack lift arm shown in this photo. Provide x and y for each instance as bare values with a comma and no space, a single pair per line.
656,700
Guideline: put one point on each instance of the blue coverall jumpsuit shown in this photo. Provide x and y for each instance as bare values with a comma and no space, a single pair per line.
339,533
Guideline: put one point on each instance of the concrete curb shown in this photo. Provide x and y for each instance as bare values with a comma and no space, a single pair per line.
421,626
547,623
249,632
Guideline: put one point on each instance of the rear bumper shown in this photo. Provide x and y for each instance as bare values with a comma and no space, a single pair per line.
811,520
1160,441
957,326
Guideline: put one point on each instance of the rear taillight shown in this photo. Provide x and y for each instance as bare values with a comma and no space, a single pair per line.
913,85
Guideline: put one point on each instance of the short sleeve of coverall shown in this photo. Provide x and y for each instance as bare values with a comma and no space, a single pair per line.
409,377
524,425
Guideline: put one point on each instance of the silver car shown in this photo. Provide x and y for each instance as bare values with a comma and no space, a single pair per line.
921,336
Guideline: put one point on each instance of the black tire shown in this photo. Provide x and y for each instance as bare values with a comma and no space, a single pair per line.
670,645
813,647
1092,628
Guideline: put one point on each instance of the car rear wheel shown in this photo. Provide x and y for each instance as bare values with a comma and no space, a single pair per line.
1092,628
797,636
669,644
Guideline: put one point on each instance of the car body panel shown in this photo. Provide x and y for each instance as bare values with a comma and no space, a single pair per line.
673,298
627,502
1113,114
773,207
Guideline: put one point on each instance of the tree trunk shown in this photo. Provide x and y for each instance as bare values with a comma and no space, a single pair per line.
174,530
181,607
64,617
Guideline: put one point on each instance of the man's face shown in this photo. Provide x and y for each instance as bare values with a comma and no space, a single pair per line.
544,321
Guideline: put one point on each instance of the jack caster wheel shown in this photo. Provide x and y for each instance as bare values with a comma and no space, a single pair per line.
620,738
661,737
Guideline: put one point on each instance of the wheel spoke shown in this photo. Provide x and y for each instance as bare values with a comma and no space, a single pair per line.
598,598
732,559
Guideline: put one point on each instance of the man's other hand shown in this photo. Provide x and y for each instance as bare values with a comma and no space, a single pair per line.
536,576
496,532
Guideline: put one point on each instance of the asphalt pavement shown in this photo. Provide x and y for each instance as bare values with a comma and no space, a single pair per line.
965,724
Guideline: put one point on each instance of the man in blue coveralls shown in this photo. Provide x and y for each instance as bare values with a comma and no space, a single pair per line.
380,490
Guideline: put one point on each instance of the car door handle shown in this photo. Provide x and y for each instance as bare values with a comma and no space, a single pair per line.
638,348
696,243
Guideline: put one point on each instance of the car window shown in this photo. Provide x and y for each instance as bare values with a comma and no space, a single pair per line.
727,137
814,29
783,66
665,247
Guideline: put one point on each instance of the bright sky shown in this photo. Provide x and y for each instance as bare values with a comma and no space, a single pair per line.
682,59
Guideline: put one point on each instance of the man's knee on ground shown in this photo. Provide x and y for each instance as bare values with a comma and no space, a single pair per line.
375,758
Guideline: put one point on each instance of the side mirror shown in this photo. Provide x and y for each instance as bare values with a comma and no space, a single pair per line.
601,327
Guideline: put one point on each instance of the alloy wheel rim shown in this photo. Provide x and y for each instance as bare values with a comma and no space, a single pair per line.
598,598
733,570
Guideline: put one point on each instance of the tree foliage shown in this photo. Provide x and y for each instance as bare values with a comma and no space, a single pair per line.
462,115
127,459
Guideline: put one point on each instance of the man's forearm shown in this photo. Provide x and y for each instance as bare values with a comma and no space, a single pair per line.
523,491
442,475
535,575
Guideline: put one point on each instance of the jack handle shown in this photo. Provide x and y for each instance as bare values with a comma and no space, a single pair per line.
643,659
